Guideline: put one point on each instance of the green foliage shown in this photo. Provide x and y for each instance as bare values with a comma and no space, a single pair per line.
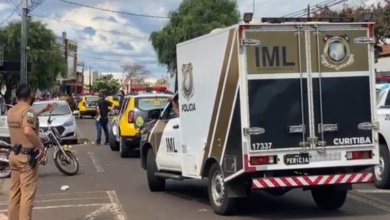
106,84
44,54
381,17
192,19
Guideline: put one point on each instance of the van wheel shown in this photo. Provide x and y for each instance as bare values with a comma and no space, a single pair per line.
329,198
124,150
382,170
113,144
218,194
156,184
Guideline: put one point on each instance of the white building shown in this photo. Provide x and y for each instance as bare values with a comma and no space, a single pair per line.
382,67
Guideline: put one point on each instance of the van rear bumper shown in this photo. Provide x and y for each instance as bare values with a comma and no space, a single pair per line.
311,181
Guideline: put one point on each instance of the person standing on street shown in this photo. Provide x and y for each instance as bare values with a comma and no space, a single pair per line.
27,149
102,109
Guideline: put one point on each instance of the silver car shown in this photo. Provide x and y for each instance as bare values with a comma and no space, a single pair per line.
63,119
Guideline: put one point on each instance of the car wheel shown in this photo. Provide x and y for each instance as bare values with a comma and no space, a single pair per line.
124,150
328,197
220,201
155,183
382,170
114,145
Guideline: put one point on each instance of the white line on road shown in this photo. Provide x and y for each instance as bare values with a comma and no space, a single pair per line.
97,212
61,200
64,206
117,208
373,191
369,202
95,162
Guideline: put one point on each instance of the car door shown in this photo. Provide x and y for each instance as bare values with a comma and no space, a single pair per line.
169,152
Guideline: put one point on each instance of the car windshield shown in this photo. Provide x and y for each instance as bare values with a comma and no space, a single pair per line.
150,103
91,98
62,109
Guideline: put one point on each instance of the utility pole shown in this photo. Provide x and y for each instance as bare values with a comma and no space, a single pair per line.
90,79
23,43
308,11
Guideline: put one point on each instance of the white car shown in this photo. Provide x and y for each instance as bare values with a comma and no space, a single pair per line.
63,119
4,132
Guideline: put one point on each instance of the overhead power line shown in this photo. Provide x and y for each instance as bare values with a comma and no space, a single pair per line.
118,12
12,13
74,23
314,8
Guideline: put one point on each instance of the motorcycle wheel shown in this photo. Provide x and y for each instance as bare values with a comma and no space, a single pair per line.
5,170
62,163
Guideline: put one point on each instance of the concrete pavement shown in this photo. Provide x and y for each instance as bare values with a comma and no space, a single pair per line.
109,187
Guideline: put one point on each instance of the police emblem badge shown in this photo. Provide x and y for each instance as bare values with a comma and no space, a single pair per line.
187,81
337,52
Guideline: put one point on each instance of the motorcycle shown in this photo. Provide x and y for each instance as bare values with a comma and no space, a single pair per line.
62,158
5,171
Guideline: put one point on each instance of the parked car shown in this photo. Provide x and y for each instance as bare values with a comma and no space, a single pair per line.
4,132
125,133
87,106
63,120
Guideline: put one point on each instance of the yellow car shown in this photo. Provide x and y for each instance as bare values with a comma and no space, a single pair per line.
114,100
87,106
125,128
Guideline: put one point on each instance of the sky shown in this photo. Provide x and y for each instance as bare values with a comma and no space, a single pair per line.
109,40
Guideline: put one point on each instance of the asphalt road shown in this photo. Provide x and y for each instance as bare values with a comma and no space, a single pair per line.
109,187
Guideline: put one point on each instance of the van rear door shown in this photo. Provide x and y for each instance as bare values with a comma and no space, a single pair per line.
342,62
277,86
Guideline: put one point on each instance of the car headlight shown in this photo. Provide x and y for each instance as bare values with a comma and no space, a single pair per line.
68,123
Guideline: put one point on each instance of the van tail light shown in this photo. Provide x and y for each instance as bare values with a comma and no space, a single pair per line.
131,117
370,30
359,155
262,160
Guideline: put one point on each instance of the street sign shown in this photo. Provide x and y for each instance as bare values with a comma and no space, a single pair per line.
1,55
13,66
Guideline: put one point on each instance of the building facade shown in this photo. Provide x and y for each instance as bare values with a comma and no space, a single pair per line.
74,80
382,67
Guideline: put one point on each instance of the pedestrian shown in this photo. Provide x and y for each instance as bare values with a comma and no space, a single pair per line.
26,151
102,110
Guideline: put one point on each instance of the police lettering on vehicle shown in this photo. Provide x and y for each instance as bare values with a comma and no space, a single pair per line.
272,57
170,143
351,141
187,87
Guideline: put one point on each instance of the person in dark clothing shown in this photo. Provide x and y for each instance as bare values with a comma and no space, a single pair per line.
102,109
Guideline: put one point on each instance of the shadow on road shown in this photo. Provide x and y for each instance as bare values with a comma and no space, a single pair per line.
295,204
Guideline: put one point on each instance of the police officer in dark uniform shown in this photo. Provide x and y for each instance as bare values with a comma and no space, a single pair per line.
26,151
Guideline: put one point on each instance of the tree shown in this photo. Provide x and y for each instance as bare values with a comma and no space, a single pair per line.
381,17
134,72
192,19
44,53
106,84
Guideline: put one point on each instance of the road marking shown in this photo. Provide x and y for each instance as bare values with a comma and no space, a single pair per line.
95,162
373,191
96,213
64,206
117,208
59,200
369,202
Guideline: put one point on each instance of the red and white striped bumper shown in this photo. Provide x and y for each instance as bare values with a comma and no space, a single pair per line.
302,181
